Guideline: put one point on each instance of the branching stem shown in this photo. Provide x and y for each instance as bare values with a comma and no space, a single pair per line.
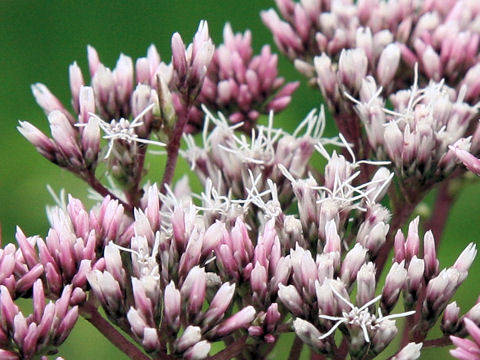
91,314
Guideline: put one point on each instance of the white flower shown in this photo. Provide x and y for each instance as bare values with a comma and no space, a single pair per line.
123,129
360,317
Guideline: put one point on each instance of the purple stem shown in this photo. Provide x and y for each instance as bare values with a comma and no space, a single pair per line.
411,321
296,349
443,341
316,356
401,214
92,315
231,350
439,217
134,194
102,190
173,147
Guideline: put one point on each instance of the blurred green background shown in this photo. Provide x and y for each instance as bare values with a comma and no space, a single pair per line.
39,39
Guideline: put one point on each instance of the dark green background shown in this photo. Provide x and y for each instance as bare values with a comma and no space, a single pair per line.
39,39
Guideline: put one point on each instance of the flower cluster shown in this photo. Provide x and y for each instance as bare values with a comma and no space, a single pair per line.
275,241
417,132
240,85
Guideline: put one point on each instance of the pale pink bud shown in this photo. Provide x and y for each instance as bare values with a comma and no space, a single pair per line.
194,288
379,184
27,248
192,253
393,140
191,336
123,76
352,263
212,237
304,68
67,324
86,103
410,352
47,101
279,104
172,303
372,236
450,321
76,82
399,246
142,303
219,303
415,273
430,256
466,258
272,316
136,321
91,140
326,77
364,41
150,341
308,333
198,351
25,283
113,263
412,244
333,241
291,299
93,60
471,80
64,135
179,58
103,84
388,64
431,64
284,34
394,283
304,268
239,320
381,40
225,257
470,161
281,273
383,335
42,143
352,68
142,71
365,284
439,291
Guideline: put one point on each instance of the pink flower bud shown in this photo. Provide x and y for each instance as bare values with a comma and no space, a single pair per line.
365,284
42,143
290,297
76,82
172,304
239,320
352,263
198,351
191,336
394,283
352,68
93,60
388,64
308,333
219,303
412,244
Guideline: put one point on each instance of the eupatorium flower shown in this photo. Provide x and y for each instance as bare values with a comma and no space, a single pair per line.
275,240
